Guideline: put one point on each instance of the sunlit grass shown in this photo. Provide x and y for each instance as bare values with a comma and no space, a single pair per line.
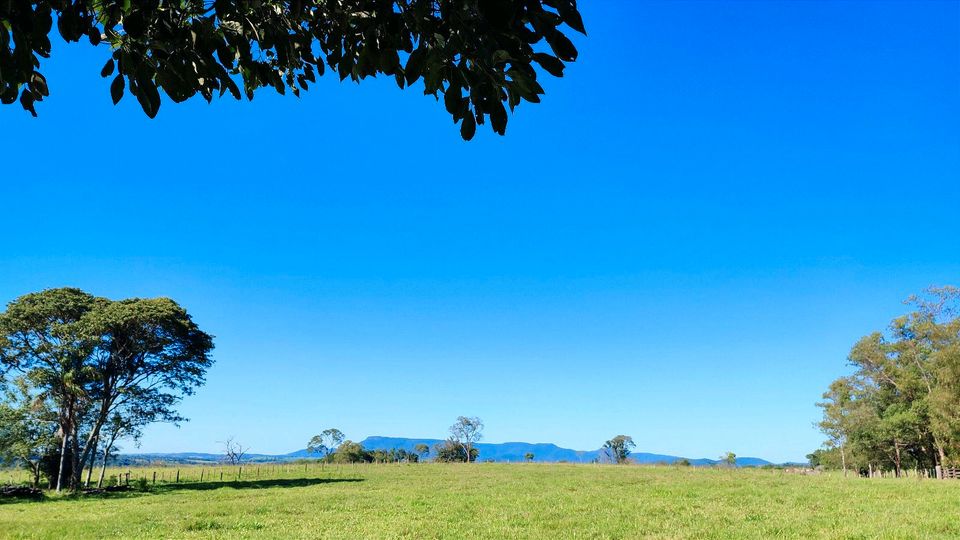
500,501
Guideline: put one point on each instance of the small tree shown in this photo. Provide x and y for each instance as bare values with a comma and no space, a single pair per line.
422,450
729,459
683,462
233,451
528,456
451,451
28,428
326,442
466,432
351,452
618,448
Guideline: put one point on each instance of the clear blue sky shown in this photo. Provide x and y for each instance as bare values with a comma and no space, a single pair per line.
680,244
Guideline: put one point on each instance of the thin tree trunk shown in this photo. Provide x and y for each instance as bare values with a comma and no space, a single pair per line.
896,461
93,458
942,454
63,458
76,472
103,467
94,438
843,460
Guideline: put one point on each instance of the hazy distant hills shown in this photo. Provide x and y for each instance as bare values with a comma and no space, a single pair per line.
502,452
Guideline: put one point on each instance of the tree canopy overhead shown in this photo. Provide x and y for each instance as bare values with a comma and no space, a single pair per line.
479,55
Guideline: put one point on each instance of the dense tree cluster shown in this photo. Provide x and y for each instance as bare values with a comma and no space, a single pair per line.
451,451
460,447
900,408
353,452
80,372
479,55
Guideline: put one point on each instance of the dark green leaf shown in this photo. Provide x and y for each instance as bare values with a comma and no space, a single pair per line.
116,88
570,15
26,100
562,46
415,65
107,68
498,118
468,127
552,65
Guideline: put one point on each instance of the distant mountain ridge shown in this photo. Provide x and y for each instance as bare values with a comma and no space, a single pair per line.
499,452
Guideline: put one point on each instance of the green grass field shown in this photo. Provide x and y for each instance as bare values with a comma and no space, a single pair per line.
501,501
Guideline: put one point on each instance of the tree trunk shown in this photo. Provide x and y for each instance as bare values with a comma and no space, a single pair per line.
843,460
63,459
76,472
896,460
94,438
103,466
93,458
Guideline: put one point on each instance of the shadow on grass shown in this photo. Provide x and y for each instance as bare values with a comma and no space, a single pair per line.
195,486
252,484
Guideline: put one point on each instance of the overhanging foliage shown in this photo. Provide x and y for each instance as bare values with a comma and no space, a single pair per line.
480,55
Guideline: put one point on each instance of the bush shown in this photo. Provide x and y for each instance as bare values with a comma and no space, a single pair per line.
50,465
452,452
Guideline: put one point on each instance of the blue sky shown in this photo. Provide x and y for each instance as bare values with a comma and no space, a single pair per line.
680,243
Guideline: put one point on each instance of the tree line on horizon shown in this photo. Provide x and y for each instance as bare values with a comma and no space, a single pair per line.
460,447
900,408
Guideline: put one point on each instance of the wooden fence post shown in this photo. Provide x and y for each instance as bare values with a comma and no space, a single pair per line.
177,481
201,475
154,477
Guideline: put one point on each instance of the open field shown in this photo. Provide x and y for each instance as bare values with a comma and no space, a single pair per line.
504,501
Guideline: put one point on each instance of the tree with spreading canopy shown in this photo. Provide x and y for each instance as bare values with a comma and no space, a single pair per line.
899,408
326,442
466,431
92,358
481,56
618,448
422,450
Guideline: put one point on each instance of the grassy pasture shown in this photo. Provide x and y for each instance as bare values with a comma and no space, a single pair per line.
499,501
